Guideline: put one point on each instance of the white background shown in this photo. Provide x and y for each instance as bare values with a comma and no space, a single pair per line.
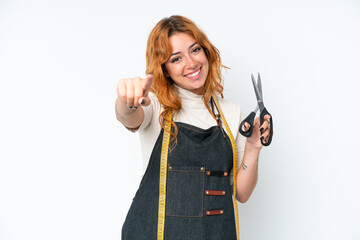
69,170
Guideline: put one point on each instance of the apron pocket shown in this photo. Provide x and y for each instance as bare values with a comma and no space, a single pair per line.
185,191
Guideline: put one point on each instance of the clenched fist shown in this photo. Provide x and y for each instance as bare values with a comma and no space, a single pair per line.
134,91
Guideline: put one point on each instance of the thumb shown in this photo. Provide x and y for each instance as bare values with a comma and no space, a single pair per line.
257,122
145,101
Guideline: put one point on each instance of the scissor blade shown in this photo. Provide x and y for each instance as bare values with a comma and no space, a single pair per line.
259,86
258,95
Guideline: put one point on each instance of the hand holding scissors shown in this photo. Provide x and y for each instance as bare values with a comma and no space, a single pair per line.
260,105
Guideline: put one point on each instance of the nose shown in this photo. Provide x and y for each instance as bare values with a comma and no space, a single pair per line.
191,63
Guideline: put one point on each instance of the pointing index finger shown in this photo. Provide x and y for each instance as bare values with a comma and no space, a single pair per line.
148,81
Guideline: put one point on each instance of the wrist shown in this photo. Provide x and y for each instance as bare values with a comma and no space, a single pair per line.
251,147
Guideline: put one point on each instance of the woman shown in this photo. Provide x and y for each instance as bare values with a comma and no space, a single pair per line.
181,96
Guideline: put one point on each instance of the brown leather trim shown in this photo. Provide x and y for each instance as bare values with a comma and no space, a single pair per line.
215,192
217,173
214,212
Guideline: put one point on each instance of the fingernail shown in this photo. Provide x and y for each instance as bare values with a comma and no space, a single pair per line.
262,138
261,130
143,101
130,107
135,107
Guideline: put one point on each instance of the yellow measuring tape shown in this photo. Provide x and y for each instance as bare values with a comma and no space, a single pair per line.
162,179
233,144
163,174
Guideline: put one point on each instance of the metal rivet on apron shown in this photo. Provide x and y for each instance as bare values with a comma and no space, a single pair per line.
207,212
223,192
202,168
225,174
170,167
221,212
208,173
207,192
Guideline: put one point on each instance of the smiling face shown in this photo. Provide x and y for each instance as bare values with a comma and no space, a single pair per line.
188,65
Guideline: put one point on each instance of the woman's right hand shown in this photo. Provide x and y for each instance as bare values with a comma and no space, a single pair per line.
134,91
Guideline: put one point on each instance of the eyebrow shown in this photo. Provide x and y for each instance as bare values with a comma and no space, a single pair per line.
189,48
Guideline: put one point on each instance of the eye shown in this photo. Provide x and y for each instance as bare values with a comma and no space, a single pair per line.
176,59
197,49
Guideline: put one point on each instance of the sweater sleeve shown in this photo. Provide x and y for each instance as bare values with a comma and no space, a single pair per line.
149,113
149,129
240,145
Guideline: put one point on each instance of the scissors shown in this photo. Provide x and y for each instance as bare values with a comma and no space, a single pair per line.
260,105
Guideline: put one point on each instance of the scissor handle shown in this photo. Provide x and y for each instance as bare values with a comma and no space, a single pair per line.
262,114
250,120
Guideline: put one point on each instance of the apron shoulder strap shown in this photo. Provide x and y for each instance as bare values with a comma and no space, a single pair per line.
217,115
234,149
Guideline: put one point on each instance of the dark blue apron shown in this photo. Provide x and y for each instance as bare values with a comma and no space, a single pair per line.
198,197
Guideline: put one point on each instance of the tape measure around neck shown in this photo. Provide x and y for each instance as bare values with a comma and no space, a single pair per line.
162,178
234,149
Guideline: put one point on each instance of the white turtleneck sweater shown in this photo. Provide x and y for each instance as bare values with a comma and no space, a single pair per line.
193,112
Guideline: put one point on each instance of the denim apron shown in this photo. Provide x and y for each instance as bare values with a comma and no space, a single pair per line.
198,194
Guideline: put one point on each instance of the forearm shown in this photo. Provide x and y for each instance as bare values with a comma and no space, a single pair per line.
248,173
131,118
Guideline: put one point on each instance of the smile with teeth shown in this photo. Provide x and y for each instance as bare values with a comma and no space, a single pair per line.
193,74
